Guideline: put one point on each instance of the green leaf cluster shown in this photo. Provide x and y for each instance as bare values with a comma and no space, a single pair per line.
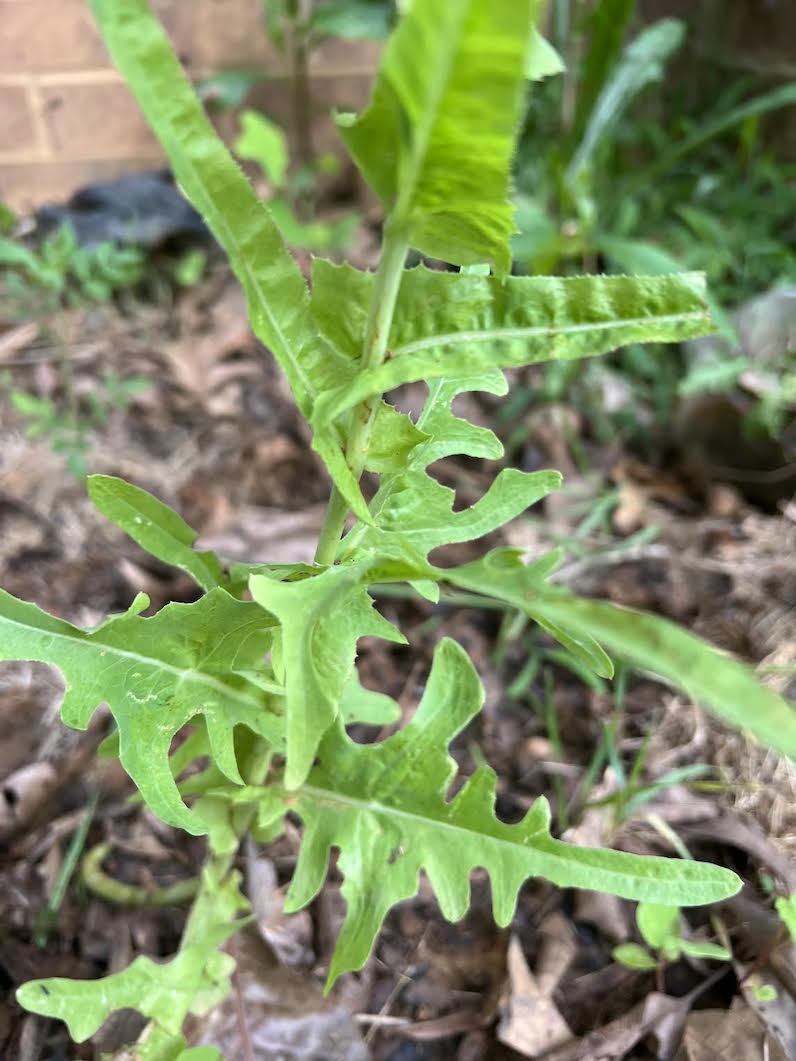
659,927
258,677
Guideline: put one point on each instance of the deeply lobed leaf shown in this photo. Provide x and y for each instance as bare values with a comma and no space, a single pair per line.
155,674
194,981
384,806
320,621
412,513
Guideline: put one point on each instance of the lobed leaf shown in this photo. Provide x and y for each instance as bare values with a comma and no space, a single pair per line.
155,674
194,981
449,91
155,527
275,290
320,621
462,324
412,513
384,806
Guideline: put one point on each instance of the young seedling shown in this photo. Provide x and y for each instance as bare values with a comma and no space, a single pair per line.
258,676
661,930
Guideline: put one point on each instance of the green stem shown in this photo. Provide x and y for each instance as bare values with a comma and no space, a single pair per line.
113,891
377,331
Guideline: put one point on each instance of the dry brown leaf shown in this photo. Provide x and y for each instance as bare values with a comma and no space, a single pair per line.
777,1015
288,936
276,1014
16,339
722,1035
659,1015
531,1023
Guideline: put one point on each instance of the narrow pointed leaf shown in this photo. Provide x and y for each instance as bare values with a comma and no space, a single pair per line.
275,290
384,806
155,674
460,324
449,90
703,949
155,527
642,63
730,689
606,29
321,619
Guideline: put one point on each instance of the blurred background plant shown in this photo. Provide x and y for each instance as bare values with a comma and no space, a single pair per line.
652,181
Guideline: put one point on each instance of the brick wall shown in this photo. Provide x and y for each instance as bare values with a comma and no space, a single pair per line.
67,118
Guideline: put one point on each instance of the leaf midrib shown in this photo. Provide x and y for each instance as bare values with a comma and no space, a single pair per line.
183,675
550,848
428,119
541,331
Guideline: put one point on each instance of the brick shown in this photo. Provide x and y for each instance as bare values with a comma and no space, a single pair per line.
25,186
44,35
231,33
96,120
17,129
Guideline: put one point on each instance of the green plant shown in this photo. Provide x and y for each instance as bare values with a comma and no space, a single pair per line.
70,430
37,281
264,142
661,930
258,676
644,183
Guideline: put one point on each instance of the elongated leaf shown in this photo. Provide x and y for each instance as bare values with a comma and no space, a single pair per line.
728,688
449,91
155,674
460,324
639,257
783,96
606,30
155,527
642,63
195,980
384,806
275,289
321,619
